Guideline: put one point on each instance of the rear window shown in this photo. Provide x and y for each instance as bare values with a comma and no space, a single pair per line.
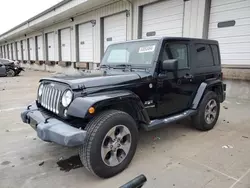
204,55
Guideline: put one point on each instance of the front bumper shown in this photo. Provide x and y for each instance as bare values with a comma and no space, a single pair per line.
51,129
18,70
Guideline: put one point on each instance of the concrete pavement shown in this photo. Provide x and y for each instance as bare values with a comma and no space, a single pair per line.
180,156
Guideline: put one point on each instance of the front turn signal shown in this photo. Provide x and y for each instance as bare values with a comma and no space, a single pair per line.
91,110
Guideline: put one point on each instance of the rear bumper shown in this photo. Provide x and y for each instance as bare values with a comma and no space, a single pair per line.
51,129
224,92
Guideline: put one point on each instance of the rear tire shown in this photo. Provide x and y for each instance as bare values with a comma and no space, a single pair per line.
104,130
208,112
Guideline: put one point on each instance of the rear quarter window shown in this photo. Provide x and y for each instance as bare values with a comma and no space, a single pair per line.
204,55
216,55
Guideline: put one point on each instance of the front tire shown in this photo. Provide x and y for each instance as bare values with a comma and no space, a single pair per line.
110,143
10,73
208,112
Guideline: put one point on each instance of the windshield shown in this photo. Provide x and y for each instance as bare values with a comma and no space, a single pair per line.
130,53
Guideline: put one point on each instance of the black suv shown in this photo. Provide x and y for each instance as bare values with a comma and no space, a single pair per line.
142,84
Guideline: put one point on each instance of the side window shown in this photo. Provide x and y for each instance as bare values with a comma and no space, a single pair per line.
204,55
215,50
176,51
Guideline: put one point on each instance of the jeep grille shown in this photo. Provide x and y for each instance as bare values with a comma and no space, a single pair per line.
50,98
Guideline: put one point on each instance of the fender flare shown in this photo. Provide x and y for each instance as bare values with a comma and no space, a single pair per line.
203,87
79,107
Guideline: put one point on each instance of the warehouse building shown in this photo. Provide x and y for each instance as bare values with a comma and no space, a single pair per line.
75,33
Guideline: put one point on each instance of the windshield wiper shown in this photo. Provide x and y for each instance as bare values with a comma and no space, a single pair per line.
105,66
124,66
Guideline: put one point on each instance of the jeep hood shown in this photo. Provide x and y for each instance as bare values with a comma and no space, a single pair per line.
98,78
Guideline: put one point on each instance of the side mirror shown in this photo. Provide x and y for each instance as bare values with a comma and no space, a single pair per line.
170,65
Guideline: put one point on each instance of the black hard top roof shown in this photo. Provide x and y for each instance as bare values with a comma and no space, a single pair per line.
196,40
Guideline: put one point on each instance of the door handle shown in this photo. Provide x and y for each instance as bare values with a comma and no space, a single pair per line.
188,76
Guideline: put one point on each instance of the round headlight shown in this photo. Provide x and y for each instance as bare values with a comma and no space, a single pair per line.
67,98
40,90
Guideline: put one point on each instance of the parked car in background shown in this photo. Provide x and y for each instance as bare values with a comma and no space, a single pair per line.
9,68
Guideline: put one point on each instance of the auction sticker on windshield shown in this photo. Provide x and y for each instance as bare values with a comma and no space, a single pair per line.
146,49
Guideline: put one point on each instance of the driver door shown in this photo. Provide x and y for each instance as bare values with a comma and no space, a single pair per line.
2,70
175,89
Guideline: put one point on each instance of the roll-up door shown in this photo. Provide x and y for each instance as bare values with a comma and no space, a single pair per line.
6,52
32,49
19,51
25,50
115,29
14,50
1,51
163,19
10,51
65,41
51,46
40,48
85,36
229,24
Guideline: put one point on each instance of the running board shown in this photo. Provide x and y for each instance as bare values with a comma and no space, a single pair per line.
159,123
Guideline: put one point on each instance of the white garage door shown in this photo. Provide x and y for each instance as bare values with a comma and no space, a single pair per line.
230,25
2,47
85,32
32,49
65,44
6,52
163,19
115,29
1,51
25,51
19,52
51,46
14,50
40,48
10,51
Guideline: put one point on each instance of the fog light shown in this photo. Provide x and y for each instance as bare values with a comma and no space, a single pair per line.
65,113
91,110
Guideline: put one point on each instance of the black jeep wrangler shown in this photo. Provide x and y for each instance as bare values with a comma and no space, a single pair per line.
142,84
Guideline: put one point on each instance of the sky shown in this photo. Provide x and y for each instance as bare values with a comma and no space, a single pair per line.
14,12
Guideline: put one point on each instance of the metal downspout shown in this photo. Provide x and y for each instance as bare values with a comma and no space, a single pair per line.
132,17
